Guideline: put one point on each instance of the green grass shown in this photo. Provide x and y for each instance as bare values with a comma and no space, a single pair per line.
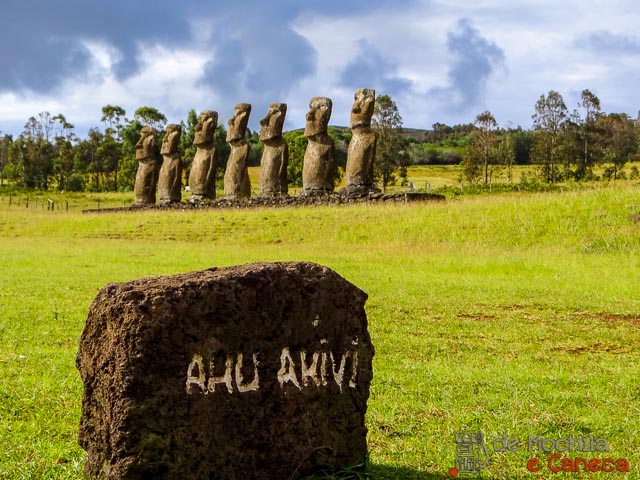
513,314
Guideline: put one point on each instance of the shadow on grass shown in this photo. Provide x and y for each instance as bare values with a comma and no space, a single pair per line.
382,472
393,472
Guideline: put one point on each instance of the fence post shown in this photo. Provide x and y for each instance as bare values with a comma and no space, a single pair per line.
10,198
67,205
50,205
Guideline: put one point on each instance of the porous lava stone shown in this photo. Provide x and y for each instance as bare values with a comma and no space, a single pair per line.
259,371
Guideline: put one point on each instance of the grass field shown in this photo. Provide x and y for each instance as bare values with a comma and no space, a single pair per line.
512,314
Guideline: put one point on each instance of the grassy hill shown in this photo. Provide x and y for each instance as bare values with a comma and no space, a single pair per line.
513,314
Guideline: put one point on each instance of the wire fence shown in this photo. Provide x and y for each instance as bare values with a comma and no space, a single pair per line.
39,203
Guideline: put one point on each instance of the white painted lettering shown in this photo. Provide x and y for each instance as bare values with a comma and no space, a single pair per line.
255,383
338,375
316,368
323,369
287,372
196,374
311,371
227,378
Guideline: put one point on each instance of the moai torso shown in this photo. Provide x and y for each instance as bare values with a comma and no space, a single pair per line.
318,171
275,154
362,147
236,177
202,177
170,181
146,175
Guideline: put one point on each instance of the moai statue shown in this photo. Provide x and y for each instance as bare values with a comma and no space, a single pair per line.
170,182
146,176
318,171
236,177
275,154
362,148
202,177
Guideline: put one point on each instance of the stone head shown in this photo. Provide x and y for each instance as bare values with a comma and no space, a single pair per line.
238,123
206,127
144,147
364,102
271,125
318,116
171,139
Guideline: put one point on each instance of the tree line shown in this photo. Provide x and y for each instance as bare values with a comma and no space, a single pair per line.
564,145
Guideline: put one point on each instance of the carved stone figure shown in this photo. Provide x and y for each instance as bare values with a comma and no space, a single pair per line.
362,147
318,171
275,154
170,182
146,176
202,177
236,177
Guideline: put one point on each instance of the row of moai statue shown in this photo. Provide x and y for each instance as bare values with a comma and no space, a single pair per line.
318,173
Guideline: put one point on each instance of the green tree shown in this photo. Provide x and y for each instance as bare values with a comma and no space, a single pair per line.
111,149
5,148
391,148
620,145
38,152
91,159
341,138
223,150
255,148
297,143
114,117
64,154
506,153
128,165
187,149
482,160
548,121
592,151
523,142
151,117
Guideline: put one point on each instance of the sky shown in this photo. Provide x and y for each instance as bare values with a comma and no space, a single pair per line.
440,60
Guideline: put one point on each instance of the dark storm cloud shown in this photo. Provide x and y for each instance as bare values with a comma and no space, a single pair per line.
607,42
370,69
474,59
258,59
42,39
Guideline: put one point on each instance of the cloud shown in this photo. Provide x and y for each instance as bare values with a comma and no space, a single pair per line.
43,41
474,60
369,69
258,63
74,56
606,42
250,50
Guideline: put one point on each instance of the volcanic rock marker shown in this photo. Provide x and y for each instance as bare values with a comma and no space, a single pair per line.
256,371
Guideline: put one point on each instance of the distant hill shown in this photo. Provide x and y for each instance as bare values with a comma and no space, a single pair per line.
414,133
417,134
